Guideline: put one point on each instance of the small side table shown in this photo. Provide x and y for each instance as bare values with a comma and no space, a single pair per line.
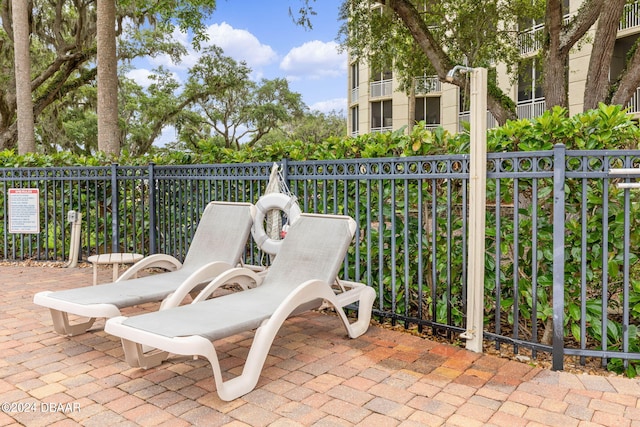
114,259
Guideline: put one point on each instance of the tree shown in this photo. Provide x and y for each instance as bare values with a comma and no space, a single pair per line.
312,127
108,131
63,44
435,35
26,136
559,39
59,42
432,40
226,103
189,15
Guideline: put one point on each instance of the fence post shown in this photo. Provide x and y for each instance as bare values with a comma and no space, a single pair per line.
115,225
559,165
477,211
284,171
152,209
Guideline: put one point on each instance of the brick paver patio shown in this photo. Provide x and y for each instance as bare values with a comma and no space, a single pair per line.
315,375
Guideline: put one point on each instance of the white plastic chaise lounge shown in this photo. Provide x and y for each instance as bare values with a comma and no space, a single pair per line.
302,276
217,246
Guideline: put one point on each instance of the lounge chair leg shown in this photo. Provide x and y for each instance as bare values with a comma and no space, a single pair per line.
365,296
62,326
365,305
137,358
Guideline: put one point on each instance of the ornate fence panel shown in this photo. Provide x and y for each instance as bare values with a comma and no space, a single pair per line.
562,273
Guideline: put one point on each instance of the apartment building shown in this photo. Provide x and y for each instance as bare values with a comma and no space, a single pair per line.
376,105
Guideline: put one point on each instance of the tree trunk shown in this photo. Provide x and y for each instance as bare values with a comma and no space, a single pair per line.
559,40
630,79
555,58
22,64
437,57
597,86
108,133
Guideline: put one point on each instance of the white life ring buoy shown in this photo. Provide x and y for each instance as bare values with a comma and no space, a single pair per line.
266,203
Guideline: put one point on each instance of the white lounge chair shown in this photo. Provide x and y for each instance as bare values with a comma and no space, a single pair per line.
217,245
302,276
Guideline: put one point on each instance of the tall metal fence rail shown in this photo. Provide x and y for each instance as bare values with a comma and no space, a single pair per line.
561,237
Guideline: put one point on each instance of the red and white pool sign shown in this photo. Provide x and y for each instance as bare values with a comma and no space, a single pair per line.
24,210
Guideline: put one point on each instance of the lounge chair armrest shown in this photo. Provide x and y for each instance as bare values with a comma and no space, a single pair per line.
166,262
204,274
244,277
351,294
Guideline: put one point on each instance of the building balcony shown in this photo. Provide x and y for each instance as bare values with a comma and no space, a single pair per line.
531,108
355,94
633,107
530,40
382,129
465,116
427,84
381,88
630,16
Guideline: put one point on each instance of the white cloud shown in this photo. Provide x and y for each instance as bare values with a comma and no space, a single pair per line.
314,60
337,105
241,45
140,76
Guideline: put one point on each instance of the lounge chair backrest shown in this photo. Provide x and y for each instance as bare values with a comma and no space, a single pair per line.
221,235
314,248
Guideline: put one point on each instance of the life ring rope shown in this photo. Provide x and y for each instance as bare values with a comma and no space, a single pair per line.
268,202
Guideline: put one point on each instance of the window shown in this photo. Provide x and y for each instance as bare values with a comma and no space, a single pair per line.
355,119
531,101
428,110
529,84
381,84
381,116
355,75
381,75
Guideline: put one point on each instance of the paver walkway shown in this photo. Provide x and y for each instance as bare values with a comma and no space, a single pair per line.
315,375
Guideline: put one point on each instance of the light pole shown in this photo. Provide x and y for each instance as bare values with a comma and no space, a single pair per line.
477,205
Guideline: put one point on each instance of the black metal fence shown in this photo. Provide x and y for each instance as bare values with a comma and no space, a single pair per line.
561,266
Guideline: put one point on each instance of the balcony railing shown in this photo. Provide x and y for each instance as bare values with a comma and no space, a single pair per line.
382,129
634,104
427,84
355,94
531,39
465,116
630,16
531,108
381,88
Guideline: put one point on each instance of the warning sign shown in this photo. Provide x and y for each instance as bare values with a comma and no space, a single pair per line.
24,210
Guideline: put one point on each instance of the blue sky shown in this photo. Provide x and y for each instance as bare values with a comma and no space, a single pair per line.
263,34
